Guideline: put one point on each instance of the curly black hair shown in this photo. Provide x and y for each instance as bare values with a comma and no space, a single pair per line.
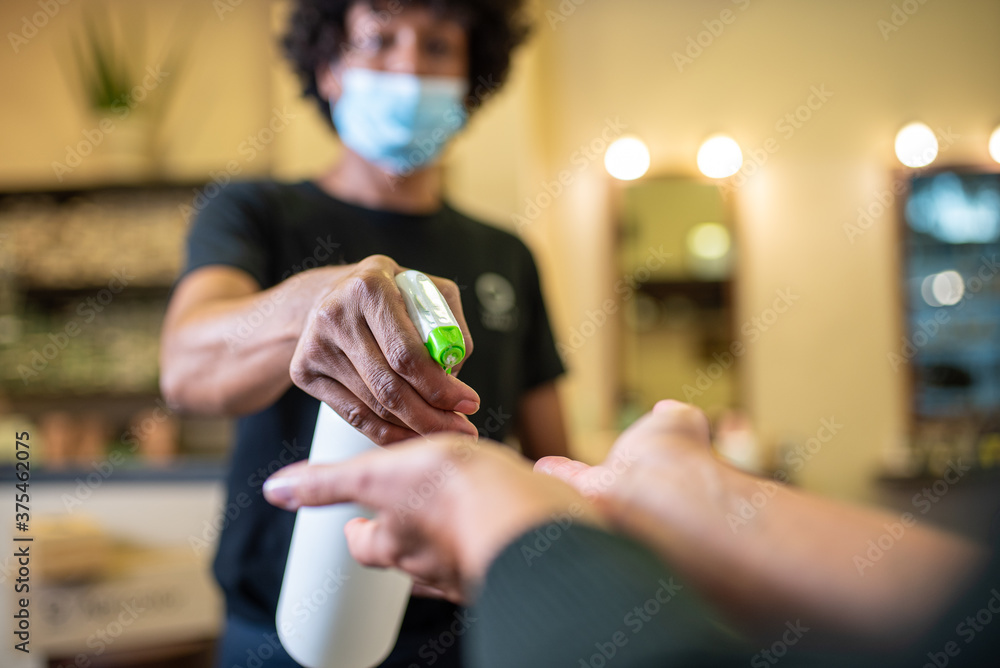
317,34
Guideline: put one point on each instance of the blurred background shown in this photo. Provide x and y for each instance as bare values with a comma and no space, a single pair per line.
786,213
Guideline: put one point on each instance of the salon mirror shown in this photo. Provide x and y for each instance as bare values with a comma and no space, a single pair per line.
677,255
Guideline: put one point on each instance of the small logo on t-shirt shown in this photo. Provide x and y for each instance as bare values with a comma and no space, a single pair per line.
497,300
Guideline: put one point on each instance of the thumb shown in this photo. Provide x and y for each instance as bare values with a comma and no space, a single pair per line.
568,470
370,543
679,419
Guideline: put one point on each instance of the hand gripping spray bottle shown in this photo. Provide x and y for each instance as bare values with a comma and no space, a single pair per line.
333,612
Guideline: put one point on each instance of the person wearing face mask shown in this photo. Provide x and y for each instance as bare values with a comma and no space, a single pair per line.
287,297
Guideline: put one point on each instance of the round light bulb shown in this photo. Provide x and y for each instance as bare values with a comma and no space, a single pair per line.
719,157
708,241
995,145
943,289
916,145
627,159
948,288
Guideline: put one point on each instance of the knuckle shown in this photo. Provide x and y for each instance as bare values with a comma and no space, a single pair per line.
330,313
437,396
449,289
377,261
368,291
381,434
386,413
310,357
388,390
369,283
299,376
382,411
356,416
365,482
357,286
300,371
401,359
311,348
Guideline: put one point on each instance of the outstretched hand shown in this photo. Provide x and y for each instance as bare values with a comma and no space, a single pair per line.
445,506
667,436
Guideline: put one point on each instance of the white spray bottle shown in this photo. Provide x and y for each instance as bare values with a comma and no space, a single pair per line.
333,612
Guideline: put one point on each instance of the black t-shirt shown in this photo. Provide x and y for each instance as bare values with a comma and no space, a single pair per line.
273,231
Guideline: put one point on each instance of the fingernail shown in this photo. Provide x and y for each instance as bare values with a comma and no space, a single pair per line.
543,467
280,491
467,407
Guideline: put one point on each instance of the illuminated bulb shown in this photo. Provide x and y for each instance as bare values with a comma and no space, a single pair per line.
719,157
948,288
926,291
627,158
995,144
916,145
944,289
709,241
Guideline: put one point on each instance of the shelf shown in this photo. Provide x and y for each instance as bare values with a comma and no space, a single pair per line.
58,292
42,400
66,194
183,470
707,294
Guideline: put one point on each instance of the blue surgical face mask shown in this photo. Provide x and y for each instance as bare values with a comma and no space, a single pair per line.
399,122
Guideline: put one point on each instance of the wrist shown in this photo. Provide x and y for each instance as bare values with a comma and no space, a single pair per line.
534,537
318,283
537,528
663,484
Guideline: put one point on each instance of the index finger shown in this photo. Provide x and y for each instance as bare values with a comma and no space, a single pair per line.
373,479
577,475
395,335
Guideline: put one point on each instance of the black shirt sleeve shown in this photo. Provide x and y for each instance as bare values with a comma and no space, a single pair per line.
232,229
543,363
577,596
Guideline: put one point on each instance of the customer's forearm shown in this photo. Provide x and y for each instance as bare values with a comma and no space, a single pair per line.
230,356
770,554
589,593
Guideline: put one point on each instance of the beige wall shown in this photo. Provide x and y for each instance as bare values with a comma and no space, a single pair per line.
212,101
825,357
